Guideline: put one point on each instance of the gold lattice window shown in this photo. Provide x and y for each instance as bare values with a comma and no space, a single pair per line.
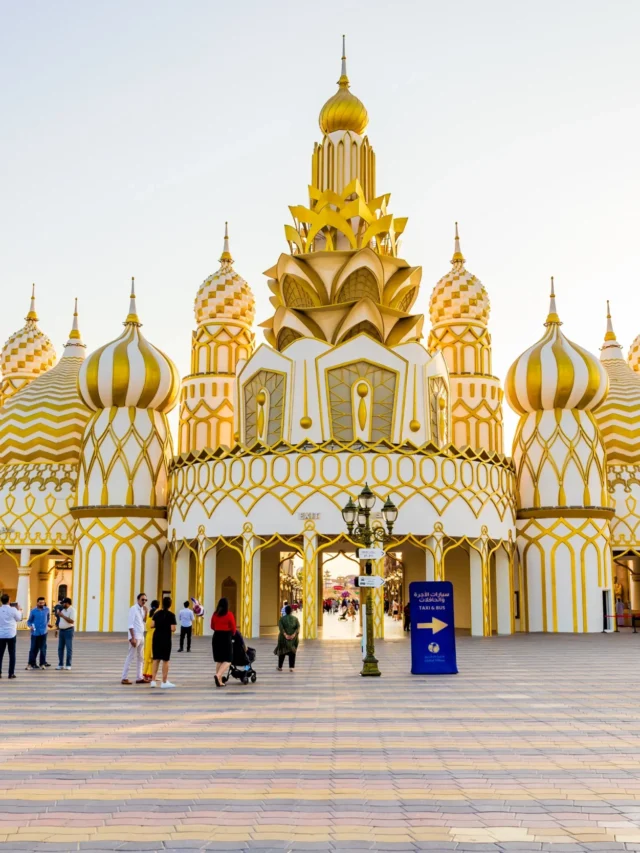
340,382
358,284
286,337
407,300
365,327
295,294
275,384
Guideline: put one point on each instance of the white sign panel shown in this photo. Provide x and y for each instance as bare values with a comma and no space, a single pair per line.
370,580
370,554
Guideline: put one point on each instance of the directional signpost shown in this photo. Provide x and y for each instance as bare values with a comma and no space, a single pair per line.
370,553
433,639
369,580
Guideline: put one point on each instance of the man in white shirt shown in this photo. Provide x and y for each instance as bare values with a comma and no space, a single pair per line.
66,630
137,618
186,617
9,618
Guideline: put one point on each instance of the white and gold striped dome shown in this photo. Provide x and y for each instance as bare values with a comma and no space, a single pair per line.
26,354
44,422
619,416
225,295
555,373
129,372
633,356
459,295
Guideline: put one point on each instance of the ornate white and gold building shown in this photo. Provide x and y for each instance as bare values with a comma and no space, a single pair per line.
347,387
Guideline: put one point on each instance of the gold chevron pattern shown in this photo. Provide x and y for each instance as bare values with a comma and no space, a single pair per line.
44,421
619,416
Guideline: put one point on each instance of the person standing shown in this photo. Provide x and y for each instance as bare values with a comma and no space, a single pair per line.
223,624
136,624
38,623
66,630
186,617
9,618
56,613
288,638
164,625
147,670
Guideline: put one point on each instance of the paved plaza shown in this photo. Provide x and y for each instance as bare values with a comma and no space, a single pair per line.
535,745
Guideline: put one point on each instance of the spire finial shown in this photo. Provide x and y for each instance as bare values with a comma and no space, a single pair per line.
458,257
74,346
343,82
32,307
225,257
552,317
610,334
74,335
132,317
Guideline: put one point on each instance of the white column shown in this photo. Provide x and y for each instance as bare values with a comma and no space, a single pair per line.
429,562
255,601
23,594
475,568
209,590
504,591
181,592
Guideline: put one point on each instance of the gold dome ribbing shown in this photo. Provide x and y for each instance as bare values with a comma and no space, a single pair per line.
343,111
129,372
555,373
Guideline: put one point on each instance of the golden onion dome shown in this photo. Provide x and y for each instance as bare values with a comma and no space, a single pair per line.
633,356
555,373
343,111
44,421
225,295
459,295
26,354
619,416
129,372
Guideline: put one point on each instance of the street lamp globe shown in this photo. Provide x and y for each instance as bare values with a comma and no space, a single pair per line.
349,512
389,512
366,498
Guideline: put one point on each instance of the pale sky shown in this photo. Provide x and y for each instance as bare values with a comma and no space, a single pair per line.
131,131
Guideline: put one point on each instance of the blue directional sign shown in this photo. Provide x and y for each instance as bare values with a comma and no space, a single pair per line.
433,638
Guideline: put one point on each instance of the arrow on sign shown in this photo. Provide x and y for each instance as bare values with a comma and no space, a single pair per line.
435,625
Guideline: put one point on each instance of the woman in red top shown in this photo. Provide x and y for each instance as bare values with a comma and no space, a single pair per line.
223,624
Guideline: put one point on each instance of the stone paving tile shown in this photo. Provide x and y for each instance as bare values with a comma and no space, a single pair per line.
523,751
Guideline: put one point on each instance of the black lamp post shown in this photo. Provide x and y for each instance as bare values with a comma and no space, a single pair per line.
356,517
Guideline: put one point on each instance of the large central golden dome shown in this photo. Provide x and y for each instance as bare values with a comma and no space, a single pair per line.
343,111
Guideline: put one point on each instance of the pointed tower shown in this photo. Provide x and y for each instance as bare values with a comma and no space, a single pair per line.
44,421
130,385
563,510
619,422
459,309
27,354
224,311
619,415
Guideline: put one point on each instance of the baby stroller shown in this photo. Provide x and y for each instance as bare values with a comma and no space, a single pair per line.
241,665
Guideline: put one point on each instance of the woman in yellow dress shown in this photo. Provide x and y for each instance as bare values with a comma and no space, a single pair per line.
148,642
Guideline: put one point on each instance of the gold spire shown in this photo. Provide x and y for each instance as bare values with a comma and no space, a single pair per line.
458,257
552,317
343,111
132,317
610,334
343,82
75,338
74,334
225,257
32,308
